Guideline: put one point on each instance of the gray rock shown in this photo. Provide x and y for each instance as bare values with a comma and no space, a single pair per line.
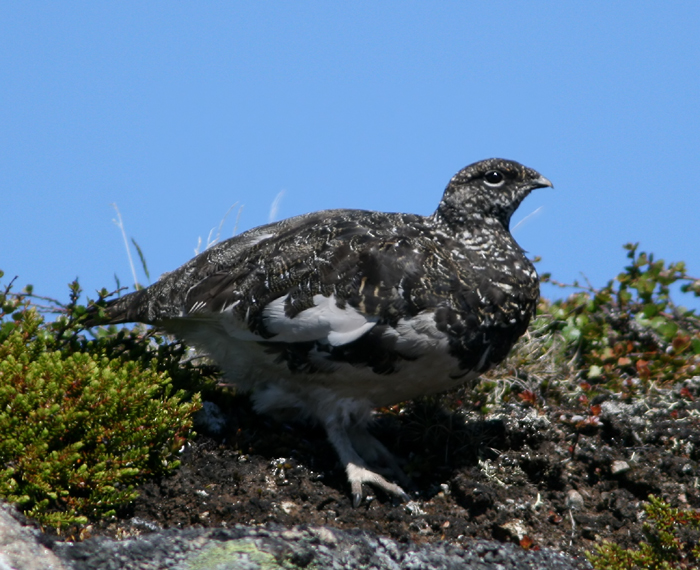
574,500
618,467
256,548
20,546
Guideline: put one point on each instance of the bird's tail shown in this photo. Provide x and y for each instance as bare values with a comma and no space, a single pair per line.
130,308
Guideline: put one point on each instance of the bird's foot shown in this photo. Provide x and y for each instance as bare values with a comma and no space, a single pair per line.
358,474
357,449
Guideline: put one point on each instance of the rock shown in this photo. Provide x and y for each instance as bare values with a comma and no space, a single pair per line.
20,548
619,467
210,419
574,500
256,548
516,529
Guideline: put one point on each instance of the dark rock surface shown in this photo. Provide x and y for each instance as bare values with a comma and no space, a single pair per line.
23,547
319,548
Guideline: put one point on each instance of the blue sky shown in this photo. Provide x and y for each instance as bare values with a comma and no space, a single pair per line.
177,111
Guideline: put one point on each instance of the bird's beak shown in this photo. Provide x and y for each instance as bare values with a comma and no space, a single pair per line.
541,182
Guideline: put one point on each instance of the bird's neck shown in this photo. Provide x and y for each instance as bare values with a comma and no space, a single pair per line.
486,238
459,220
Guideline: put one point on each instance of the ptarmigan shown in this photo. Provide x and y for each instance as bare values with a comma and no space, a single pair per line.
327,315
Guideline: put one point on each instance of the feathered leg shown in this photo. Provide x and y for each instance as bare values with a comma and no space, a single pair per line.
356,468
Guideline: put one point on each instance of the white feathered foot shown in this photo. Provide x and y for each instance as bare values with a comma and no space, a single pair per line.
357,449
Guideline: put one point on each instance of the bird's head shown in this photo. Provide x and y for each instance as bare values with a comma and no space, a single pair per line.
488,191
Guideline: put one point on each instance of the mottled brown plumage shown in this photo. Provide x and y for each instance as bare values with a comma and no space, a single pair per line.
329,314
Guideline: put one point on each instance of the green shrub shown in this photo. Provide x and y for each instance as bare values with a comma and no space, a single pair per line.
82,422
672,542
627,336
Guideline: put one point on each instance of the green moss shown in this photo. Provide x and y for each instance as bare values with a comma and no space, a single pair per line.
243,553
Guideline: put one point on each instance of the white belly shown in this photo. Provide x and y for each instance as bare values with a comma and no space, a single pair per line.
253,364
275,389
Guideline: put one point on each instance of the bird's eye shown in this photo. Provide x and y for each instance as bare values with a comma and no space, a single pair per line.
494,177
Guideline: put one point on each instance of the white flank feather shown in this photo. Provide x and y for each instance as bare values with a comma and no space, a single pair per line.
418,335
326,322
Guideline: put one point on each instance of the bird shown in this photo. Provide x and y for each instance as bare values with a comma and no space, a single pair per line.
326,316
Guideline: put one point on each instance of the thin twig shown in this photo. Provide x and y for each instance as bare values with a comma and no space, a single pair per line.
120,225
221,223
238,218
274,207
521,222
215,240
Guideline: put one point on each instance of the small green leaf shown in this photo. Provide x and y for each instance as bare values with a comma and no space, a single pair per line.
665,327
695,343
571,333
595,371
651,310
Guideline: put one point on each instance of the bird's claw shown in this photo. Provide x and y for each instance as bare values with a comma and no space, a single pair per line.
357,499
357,475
